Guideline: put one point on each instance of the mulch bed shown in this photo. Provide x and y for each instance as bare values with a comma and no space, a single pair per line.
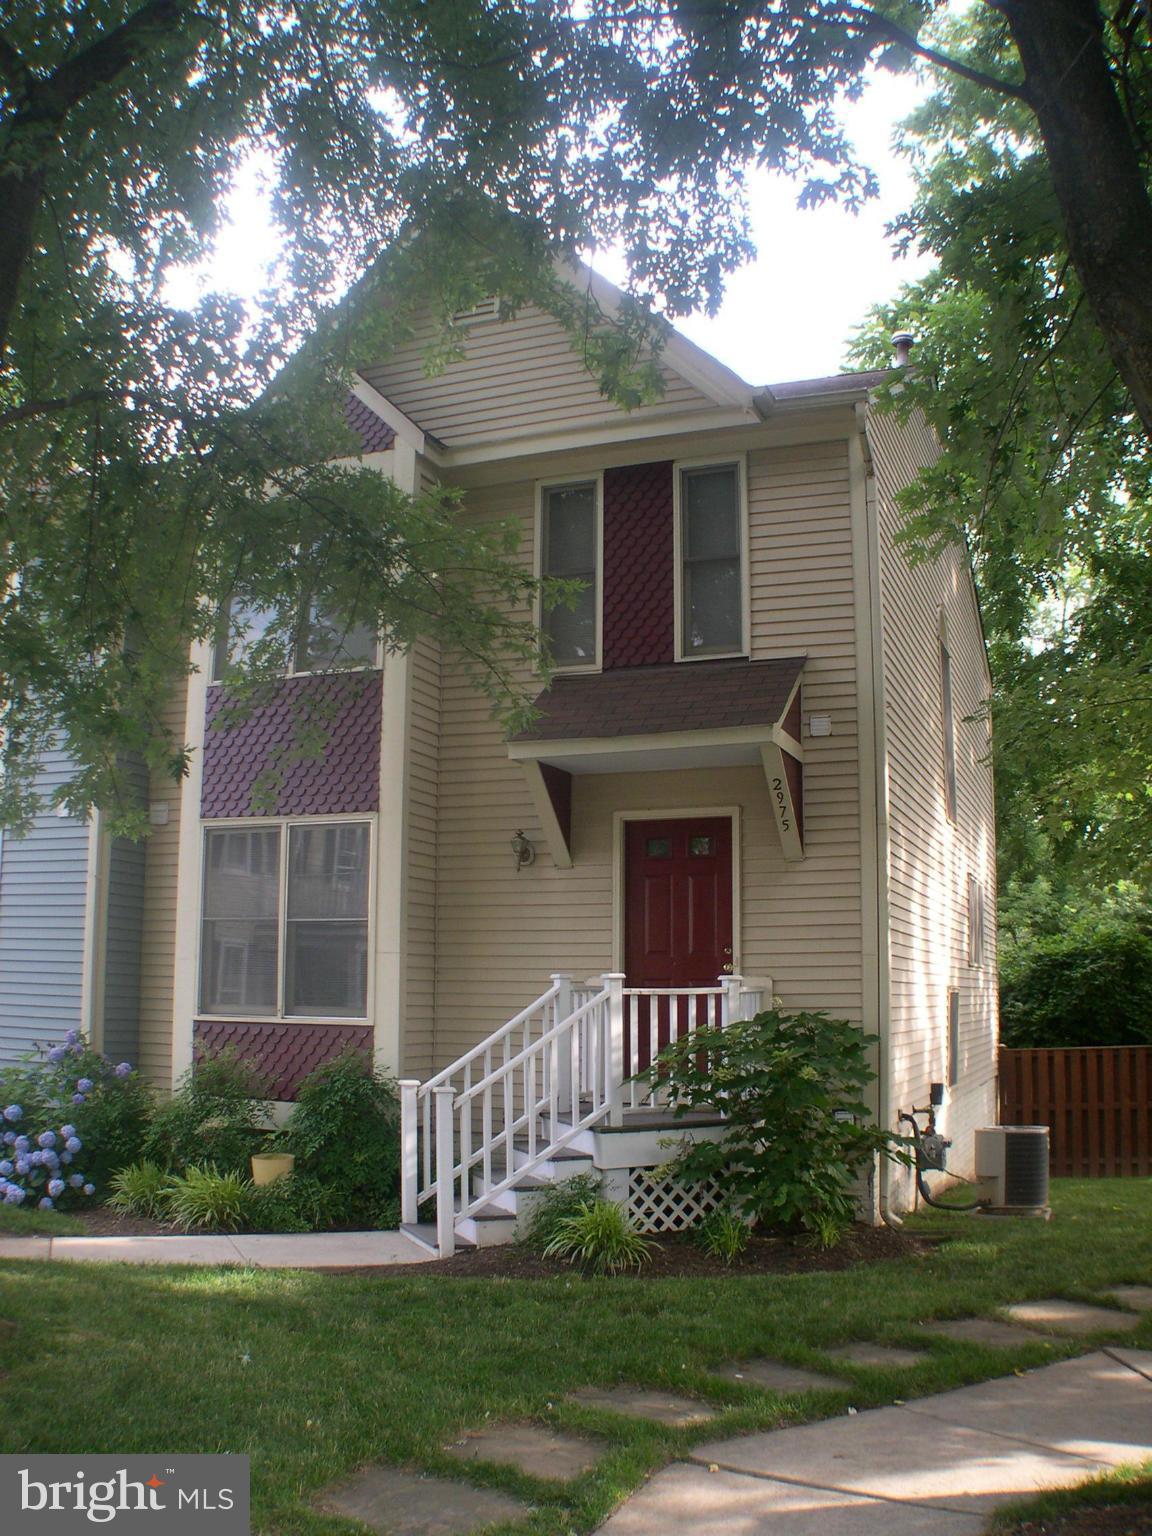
1111,1520
103,1221
680,1258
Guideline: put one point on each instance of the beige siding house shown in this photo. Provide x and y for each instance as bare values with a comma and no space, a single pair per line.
760,772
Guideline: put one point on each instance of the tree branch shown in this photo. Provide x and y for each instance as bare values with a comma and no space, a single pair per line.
905,39
49,407
106,59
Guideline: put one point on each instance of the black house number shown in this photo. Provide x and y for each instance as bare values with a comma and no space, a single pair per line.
781,804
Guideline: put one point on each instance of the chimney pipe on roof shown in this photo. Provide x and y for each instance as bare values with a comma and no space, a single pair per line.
903,342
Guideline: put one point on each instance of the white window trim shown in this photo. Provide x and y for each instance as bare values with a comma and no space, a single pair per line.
738,461
596,481
258,823
620,820
376,665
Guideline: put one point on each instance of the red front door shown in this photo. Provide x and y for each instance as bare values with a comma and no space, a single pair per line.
678,901
677,919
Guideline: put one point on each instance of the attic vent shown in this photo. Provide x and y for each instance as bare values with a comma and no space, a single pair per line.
486,309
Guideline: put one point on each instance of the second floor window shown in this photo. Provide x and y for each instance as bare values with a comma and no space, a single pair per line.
569,544
711,561
320,642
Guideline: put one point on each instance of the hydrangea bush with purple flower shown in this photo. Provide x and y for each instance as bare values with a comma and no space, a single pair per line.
71,1116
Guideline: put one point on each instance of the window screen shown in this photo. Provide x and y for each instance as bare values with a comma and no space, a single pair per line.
712,619
569,550
329,640
326,925
240,921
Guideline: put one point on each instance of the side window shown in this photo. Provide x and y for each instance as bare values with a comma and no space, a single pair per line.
975,921
949,726
953,1038
711,561
569,542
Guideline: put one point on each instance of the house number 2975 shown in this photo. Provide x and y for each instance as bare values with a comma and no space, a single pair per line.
781,799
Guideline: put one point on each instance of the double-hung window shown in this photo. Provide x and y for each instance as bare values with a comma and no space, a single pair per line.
569,549
285,920
711,541
320,640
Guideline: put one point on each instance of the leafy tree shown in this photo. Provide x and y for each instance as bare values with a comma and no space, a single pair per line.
146,467
1045,470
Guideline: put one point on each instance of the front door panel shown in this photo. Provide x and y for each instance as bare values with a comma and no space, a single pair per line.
677,921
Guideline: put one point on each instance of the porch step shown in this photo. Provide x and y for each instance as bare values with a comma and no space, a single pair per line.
423,1234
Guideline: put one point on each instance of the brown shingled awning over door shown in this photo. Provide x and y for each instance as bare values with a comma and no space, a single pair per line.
649,719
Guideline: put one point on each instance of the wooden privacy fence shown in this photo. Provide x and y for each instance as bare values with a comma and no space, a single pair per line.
1096,1099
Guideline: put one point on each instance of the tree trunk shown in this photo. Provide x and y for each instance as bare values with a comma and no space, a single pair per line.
1097,176
20,197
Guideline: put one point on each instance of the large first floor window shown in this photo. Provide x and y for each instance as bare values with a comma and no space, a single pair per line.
285,920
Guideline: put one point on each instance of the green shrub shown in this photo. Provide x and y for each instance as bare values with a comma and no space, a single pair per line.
140,1190
557,1202
295,1203
723,1233
1088,985
797,1131
345,1133
600,1236
204,1199
214,1117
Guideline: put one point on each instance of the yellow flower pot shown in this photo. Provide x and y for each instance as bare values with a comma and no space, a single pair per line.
267,1167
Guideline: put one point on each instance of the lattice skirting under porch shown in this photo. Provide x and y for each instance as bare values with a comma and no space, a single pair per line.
664,1205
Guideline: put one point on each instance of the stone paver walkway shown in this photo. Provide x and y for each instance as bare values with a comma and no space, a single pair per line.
399,1503
532,1449
941,1463
1055,1315
264,1250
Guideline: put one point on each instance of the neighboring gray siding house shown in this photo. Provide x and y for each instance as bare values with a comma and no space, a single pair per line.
43,913
71,914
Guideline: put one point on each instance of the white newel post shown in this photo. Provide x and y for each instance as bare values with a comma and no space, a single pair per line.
614,1054
560,1063
733,1007
445,1161
409,1150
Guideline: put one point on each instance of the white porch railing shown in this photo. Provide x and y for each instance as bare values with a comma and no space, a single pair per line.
562,1065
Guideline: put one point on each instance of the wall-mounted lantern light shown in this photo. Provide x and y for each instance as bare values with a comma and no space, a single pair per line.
522,850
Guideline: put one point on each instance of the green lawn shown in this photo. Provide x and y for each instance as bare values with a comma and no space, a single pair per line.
313,1375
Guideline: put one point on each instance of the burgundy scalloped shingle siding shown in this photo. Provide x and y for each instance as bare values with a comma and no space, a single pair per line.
687,696
283,1054
346,779
375,434
639,621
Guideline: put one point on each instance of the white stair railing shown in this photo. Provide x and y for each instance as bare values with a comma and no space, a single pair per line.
562,1065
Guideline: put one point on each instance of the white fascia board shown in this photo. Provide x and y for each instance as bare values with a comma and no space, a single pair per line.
692,363
652,741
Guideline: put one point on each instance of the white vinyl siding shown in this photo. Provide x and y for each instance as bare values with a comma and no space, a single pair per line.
517,377
931,857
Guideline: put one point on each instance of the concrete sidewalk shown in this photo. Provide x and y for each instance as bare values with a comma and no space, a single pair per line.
940,1464
264,1250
